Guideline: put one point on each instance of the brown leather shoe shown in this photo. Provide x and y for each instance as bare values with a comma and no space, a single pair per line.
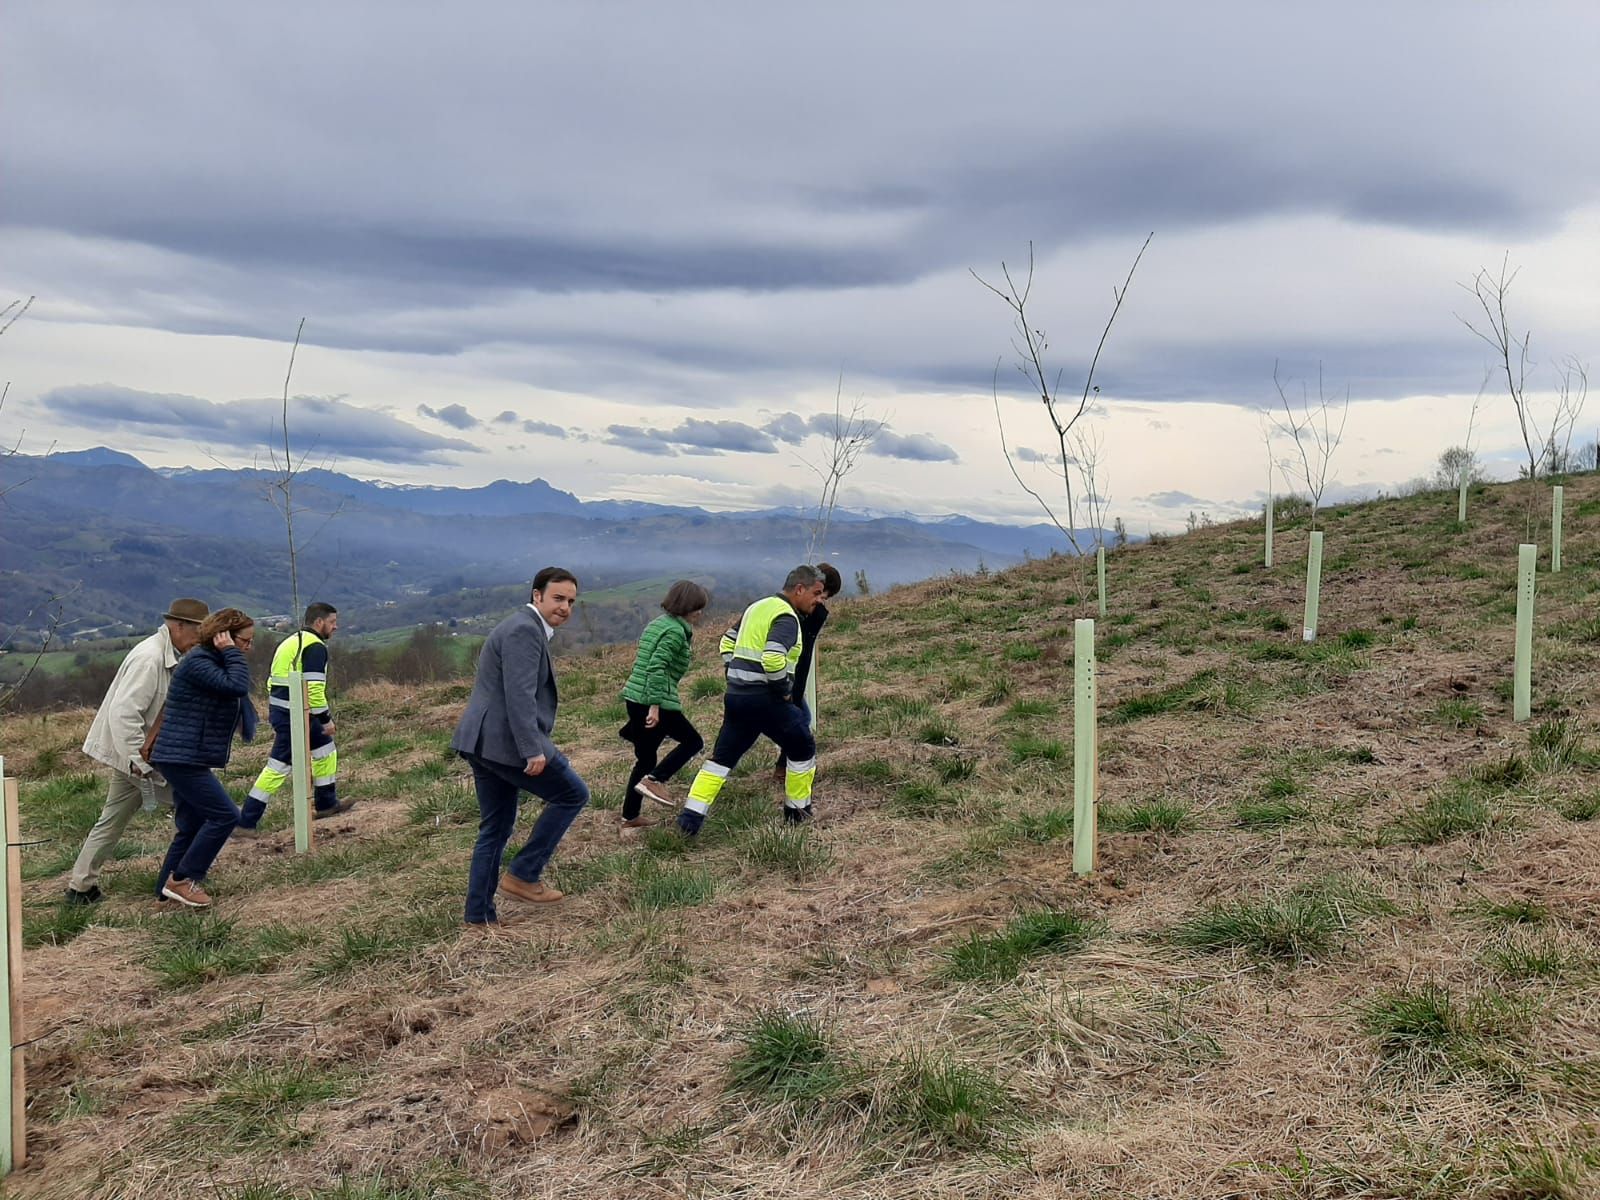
652,789
533,893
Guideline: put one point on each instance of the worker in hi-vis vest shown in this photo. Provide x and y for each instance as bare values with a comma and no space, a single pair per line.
760,652
305,651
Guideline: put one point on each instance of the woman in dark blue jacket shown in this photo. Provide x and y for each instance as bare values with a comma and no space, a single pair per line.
208,699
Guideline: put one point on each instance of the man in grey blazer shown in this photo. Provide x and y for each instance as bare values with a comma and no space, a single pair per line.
505,736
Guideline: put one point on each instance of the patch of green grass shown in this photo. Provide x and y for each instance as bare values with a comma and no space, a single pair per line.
1502,775
1553,746
57,924
1038,828
705,687
1027,710
954,768
1268,814
258,1106
1427,1030
1457,712
1421,1027
446,803
1003,955
1307,923
791,850
996,692
1535,958
1185,696
945,1105
1149,816
939,732
1580,808
1356,639
1029,747
787,1057
1458,809
1513,912
1022,652
387,941
385,746
920,798
576,876
872,772
1281,784
657,887
190,948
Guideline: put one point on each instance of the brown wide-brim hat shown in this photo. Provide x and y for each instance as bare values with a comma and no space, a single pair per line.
187,608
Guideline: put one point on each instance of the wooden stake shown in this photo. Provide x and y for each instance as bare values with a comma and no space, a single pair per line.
300,754
1085,759
14,1093
1522,686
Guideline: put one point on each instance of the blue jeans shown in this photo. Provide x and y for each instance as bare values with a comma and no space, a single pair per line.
499,787
205,815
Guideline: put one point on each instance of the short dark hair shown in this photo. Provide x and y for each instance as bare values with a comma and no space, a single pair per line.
685,597
831,583
315,612
802,576
548,576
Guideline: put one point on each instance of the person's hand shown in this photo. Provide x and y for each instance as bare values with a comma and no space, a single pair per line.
139,769
653,717
535,765
223,640
327,727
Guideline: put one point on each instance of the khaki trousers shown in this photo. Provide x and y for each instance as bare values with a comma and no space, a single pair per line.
123,799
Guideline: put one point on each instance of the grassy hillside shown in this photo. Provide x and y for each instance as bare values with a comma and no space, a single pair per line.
1344,941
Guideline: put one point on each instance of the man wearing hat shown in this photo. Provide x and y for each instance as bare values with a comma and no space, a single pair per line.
121,731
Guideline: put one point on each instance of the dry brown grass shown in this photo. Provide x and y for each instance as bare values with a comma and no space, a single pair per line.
585,1051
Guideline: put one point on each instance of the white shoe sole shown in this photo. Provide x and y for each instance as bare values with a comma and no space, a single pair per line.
649,795
172,895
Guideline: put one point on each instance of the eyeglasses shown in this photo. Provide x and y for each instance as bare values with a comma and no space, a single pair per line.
244,643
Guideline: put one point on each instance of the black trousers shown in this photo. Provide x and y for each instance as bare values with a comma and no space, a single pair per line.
647,748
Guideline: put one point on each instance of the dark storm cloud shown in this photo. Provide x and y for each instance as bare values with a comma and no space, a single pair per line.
917,447
326,426
693,436
454,415
643,441
423,220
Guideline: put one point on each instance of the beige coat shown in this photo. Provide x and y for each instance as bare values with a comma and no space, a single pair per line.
133,702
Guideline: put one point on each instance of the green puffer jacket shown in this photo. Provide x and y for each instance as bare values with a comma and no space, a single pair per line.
662,659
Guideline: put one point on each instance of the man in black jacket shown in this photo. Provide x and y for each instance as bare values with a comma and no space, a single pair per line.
811,624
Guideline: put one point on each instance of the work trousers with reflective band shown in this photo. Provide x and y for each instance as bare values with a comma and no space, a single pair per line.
745,719
324,768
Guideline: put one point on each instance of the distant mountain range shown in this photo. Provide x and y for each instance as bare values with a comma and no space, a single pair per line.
116,540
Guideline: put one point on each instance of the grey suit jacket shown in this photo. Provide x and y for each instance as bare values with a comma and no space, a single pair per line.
512,711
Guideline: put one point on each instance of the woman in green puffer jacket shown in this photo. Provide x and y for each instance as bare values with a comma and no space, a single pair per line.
655,711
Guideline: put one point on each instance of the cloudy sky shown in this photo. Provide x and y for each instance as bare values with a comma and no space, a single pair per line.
633,248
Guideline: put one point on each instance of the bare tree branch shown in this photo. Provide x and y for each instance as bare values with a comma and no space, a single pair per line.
55,604
1314,436
1030,345
849,436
